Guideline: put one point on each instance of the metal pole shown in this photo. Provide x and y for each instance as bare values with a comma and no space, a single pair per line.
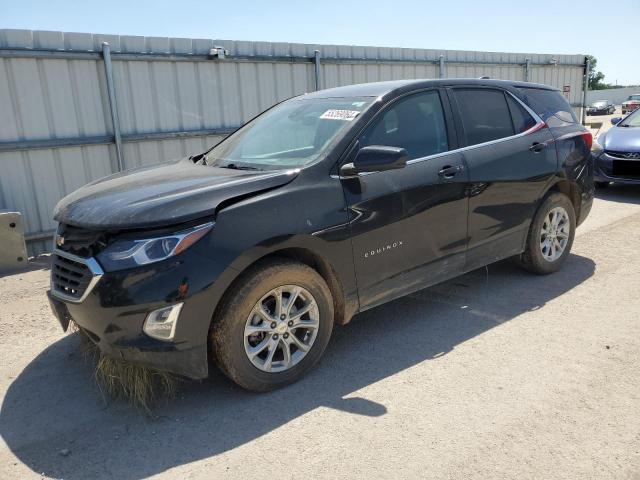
441,69
316,61
111,91
527,70
585,90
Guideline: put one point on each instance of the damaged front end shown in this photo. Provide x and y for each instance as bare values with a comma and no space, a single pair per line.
135,265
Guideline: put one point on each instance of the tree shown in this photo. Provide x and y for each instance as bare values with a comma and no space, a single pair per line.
595,78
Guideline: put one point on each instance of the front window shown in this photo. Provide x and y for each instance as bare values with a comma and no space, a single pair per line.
415,123
289,135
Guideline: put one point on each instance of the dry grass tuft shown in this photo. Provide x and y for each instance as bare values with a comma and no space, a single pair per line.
140,386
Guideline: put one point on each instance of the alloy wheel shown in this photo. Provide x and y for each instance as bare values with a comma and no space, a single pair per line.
554,234
281,328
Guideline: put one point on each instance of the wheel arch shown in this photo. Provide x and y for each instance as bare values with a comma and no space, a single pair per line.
567,188
250,261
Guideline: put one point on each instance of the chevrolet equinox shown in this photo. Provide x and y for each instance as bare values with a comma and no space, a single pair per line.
323,206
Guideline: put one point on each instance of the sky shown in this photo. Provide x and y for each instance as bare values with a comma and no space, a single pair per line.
540,26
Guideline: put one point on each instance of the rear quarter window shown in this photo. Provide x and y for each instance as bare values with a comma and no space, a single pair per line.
548,104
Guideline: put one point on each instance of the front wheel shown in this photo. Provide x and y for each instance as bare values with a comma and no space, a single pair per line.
601,184
273,326
550,235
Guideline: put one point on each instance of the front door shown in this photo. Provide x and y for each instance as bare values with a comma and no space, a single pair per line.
409,226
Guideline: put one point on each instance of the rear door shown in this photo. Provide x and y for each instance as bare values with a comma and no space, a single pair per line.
511,157
409,226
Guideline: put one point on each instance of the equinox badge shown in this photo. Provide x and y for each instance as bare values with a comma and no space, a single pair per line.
384,248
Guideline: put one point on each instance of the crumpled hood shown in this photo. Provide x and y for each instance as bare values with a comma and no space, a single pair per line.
621,139
161,195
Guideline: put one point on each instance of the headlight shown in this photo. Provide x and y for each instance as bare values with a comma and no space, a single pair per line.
127,253
596,148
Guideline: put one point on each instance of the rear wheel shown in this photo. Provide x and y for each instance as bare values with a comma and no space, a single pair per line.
274,327
550,235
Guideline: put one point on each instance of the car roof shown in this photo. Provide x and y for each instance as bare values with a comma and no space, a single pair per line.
377,89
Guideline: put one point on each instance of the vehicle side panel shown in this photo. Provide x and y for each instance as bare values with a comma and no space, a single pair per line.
506,180
409,228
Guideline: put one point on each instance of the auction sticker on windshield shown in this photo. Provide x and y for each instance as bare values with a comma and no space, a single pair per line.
347,115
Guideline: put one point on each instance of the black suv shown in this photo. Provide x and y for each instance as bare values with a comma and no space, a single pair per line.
321,207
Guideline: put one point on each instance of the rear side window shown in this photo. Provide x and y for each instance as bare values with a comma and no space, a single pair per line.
522,120
415,123
548,103
485,115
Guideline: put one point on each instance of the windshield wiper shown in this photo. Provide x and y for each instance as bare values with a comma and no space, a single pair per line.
233,166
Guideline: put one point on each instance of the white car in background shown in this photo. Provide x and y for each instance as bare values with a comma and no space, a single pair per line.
631,103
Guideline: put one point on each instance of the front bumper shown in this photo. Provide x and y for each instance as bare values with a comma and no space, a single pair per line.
114,311
603,171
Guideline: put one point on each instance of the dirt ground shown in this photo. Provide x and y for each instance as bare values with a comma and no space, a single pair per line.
495,375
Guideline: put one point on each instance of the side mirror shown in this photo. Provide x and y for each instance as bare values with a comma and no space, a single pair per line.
375,158
616,120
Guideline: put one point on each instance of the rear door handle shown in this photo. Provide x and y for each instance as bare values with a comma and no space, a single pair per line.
537,147
449,171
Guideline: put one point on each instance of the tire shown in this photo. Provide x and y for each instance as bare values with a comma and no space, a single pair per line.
601,184
231,345
533,259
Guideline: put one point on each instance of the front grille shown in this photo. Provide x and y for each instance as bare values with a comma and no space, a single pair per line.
624,155
72,277
80,241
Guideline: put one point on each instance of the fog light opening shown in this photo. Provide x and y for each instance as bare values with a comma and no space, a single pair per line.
161,323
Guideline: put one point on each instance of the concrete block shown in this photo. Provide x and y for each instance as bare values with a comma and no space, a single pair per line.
13,250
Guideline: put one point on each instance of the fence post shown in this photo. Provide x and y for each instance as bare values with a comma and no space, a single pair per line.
441,71
111,91
316,61
527,70
585,89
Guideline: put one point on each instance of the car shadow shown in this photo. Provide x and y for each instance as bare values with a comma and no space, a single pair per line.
54,405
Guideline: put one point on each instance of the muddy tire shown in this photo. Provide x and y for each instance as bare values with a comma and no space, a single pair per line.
273,325
550,236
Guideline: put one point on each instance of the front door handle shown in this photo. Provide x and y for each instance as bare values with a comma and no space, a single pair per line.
537,147
449,171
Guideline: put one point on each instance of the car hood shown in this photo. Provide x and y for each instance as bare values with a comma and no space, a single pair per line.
621,139
162,195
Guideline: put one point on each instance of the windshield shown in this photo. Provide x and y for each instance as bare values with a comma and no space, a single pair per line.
289,135
599,103
634,97
632,120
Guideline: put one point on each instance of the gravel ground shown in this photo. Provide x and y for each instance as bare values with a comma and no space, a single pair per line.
496,374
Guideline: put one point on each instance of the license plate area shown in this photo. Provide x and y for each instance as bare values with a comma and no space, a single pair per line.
626,168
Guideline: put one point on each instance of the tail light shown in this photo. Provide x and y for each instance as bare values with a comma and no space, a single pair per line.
588,139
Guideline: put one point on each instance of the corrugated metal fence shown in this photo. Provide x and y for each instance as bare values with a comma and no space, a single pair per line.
174,98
